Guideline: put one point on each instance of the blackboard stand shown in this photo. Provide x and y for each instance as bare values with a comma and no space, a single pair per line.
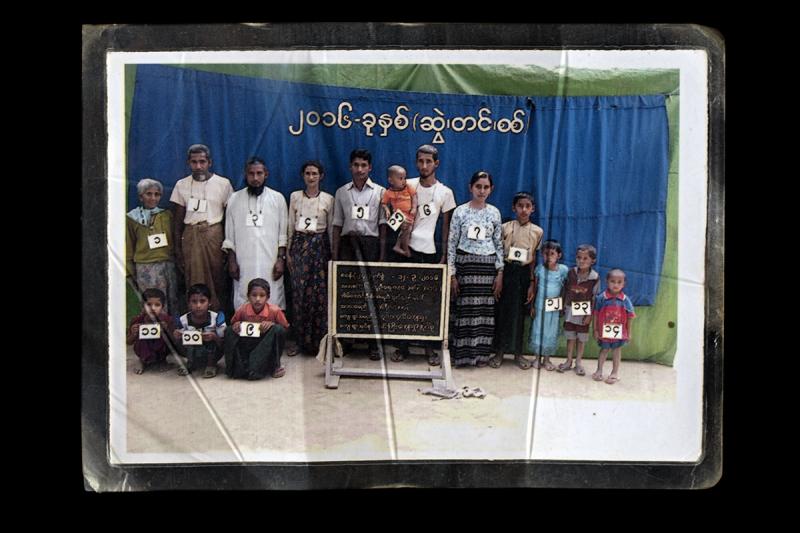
436,276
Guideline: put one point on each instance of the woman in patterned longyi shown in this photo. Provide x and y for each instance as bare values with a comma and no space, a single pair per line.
475,261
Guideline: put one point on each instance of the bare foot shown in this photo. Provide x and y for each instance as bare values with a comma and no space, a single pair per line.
612,379
279,373
548,365
138,367
535,363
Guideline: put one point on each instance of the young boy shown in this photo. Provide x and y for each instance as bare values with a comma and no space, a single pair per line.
612,323
209,325
401,197
254,357
521,239
154,350
583,284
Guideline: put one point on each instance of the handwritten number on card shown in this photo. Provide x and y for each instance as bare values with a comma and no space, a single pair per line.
552,304
612,331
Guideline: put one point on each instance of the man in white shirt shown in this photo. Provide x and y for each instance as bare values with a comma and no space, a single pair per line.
199,202
359,223
434,199
256,234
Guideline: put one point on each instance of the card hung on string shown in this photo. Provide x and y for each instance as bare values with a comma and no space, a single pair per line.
477,232
553,304
197,205
150,331
427,210
396,220
158,240
192,338
517,254
581,308
249,329
612,331
360,212
254,220
306,224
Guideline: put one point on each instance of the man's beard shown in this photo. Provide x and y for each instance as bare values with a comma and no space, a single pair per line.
255,191
201,176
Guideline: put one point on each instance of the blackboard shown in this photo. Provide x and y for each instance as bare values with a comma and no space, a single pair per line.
389,300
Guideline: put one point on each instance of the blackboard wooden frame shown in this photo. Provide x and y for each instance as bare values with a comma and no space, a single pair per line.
442,376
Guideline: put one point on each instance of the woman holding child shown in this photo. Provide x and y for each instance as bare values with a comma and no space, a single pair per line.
475,261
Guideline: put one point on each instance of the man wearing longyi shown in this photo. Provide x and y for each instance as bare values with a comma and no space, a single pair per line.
199,201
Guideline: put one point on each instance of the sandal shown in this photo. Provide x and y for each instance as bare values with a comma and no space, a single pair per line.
597,376
374,355
433,359
579,370
397,356
210,372
549,366
279,373
291,352
611,380
183,371
563,367
535,363
523,363
496,361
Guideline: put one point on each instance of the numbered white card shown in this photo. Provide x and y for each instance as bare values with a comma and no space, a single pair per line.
427,210
150,331
196,205
476,232
307,224
517,254
360,212
553,304
192,338
159,240
255,220
581,308
249,329
396,220
612,331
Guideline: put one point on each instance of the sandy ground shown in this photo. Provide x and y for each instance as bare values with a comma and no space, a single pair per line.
526,413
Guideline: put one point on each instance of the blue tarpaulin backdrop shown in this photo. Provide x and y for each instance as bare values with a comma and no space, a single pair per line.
597,166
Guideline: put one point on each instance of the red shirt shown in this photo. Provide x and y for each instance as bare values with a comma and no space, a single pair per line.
270,312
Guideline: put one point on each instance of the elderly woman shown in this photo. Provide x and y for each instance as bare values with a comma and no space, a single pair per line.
149,251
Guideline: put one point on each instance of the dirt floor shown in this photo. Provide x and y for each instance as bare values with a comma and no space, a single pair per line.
525,414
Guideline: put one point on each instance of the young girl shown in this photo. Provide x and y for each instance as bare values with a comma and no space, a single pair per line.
149,244
401,197
256,357
549,278
155,350
612,323
521,239
211,327
583,284
475,263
